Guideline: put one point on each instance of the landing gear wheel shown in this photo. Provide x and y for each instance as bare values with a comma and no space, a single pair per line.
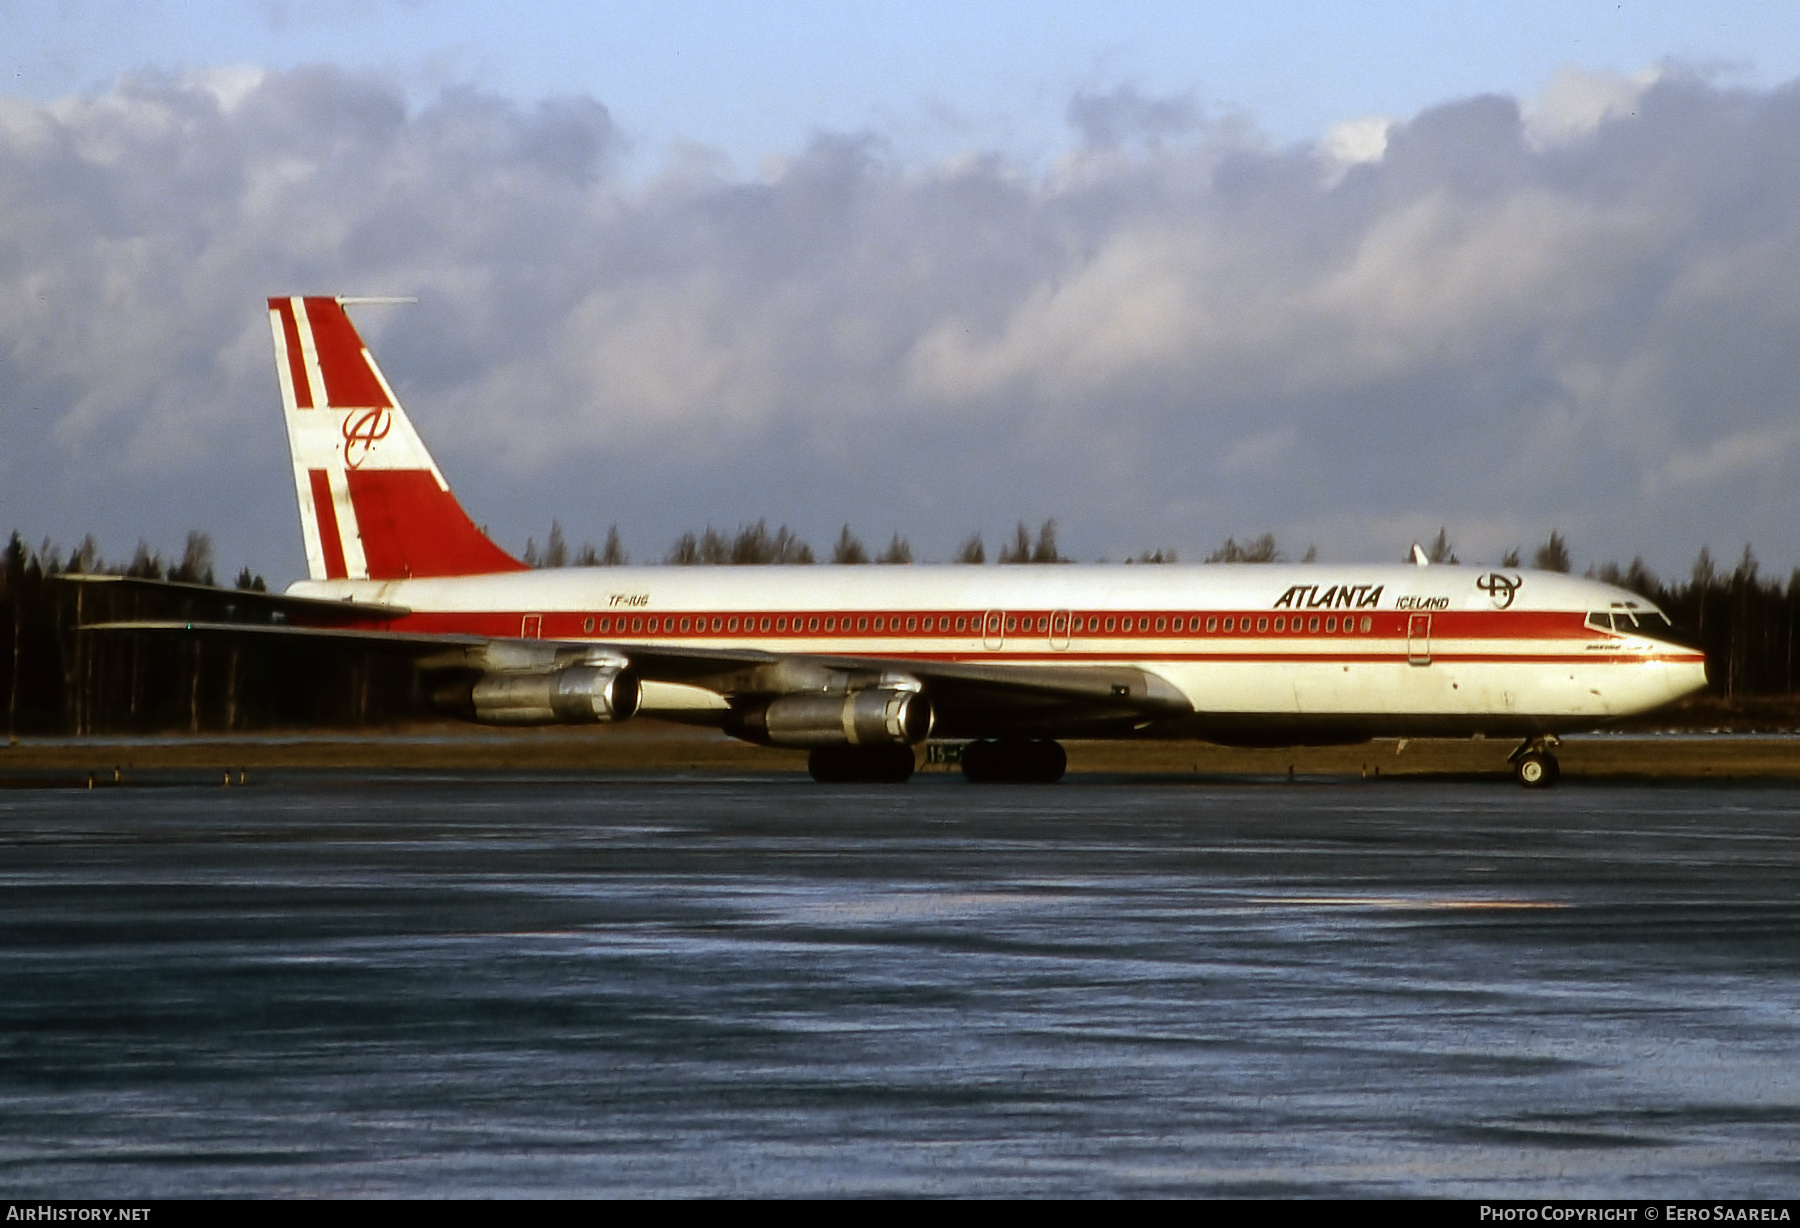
861,765
1537,769
1014,761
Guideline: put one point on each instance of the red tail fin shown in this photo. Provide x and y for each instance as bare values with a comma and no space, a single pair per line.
373,504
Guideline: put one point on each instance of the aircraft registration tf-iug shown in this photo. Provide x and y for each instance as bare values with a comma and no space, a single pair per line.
860,665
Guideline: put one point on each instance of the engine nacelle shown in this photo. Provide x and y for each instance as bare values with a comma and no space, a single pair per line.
873,717
575,695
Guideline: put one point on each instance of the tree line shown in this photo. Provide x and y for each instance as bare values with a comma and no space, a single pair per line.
756,545
57,680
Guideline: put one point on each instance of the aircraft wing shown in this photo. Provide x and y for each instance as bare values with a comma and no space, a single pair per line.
970,697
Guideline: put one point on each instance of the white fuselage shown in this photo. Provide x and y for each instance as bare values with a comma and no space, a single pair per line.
1258,651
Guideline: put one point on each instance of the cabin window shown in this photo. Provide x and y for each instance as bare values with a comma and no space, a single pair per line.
781,624
1331,624
1228,624
1012,624
1282,622
912,622
606,624
1262,624
1162,624
587,624
1109,624
1212,624
962,624
1368,624
637,624
1312,624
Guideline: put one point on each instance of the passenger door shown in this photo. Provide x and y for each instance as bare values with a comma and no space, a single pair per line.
1418,639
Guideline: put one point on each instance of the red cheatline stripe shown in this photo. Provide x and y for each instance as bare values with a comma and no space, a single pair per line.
290,331
1564,627
1313,650
329,538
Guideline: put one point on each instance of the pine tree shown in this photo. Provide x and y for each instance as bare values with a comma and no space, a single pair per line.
849,549
899,550
1553,555
1259,550
614,555
1440,550
1020,550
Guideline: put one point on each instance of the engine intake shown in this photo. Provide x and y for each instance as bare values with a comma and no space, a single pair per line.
576,695
873,717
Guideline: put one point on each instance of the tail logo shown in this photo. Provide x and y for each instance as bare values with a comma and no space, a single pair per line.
363,431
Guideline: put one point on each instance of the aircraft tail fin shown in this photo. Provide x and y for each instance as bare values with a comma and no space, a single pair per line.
373,504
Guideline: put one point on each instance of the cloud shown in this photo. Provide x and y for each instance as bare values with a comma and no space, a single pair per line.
1578,102
1576,310
1734,456
1351,144
1123,116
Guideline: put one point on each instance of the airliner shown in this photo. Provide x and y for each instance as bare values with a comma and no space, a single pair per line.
860,665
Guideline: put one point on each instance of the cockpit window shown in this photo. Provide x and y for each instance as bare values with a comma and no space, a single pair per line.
1653,623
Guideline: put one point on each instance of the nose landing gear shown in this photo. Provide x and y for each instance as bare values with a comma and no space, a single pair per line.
1534,764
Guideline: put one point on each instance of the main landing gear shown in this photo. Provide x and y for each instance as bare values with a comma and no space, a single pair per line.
861,765
1014,761
1534,764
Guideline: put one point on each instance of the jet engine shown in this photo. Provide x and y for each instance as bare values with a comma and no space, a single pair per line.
574,695
873,717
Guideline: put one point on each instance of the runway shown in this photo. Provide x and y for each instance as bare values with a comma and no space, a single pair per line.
354,983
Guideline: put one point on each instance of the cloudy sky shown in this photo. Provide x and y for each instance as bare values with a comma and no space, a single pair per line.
1163,272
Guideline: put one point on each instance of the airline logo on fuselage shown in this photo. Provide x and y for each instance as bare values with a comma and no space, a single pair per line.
1500,588
1337,597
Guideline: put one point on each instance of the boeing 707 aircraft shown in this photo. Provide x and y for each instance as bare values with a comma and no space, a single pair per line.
860,665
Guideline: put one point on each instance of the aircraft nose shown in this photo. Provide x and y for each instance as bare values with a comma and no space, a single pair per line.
1684,676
